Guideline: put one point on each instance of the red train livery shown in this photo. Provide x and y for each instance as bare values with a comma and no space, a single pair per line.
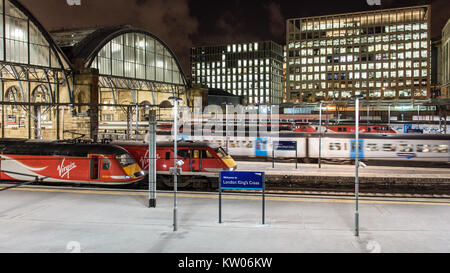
47,161
343,128
200,159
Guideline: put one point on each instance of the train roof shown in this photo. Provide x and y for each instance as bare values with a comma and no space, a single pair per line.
189,144
48,147
332,135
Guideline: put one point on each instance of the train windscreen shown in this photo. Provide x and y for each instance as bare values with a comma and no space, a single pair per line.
125,159
221,152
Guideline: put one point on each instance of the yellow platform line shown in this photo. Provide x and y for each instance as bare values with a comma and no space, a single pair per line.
257,196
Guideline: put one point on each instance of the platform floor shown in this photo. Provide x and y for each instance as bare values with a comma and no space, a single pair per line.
342,170
40,219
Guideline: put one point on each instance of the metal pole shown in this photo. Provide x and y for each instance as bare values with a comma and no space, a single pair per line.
63,122
320,134
356,166
273,154
175,161
137,120
367,116
418,115
220,198
226,124
389,117
152,159
263,199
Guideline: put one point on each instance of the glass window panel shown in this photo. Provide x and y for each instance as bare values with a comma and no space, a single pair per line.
150,73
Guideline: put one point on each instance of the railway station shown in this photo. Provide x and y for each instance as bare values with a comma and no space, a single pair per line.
108,145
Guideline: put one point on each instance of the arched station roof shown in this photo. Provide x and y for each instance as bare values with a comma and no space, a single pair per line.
123,51
25,40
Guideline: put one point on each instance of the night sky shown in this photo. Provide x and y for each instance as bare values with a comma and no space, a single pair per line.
186,23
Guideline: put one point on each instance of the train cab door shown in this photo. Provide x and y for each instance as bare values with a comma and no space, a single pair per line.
94,167
196,160
360,148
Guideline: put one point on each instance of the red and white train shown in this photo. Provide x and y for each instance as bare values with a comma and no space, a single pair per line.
202,161
200,158
50,161
344,128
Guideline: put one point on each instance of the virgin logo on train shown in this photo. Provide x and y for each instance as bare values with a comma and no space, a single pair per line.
145,160
65,170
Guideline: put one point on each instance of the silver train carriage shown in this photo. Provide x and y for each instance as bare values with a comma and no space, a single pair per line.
398,147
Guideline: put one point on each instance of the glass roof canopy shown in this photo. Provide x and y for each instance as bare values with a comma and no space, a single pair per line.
124,52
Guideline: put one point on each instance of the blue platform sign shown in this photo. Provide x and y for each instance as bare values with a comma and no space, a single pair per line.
230,180
285,145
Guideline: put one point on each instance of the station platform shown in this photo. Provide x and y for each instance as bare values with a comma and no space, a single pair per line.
342,170
58,220
285,175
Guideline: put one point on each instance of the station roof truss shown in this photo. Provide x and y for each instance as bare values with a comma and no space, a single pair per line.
126,57
28,54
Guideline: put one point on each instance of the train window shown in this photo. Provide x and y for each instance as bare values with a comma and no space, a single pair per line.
440,148
372,147
406,148
339,129
389,147
167,155
423,148
335,146
345,129
125,160
184,153
221,153
207,154
106,164
196,154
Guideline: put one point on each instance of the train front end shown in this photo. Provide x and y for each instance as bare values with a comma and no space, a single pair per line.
226,158
133,172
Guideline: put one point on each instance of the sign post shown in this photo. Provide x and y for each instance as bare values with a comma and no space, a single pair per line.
231,180
286,146
152,159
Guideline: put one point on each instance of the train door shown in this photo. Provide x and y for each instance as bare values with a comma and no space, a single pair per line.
94,169
196,161
360,148
261,146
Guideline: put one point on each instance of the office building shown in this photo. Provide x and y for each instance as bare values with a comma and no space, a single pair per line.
252,70
379,54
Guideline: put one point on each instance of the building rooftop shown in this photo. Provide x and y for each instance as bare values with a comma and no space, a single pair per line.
362,12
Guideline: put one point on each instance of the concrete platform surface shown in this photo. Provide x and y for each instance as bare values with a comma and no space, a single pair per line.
342,170
38,219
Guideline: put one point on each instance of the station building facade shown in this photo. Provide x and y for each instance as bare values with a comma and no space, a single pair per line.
445,61
252,70
60,85
380,54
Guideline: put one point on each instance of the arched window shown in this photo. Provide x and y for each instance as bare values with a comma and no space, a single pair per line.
139,56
